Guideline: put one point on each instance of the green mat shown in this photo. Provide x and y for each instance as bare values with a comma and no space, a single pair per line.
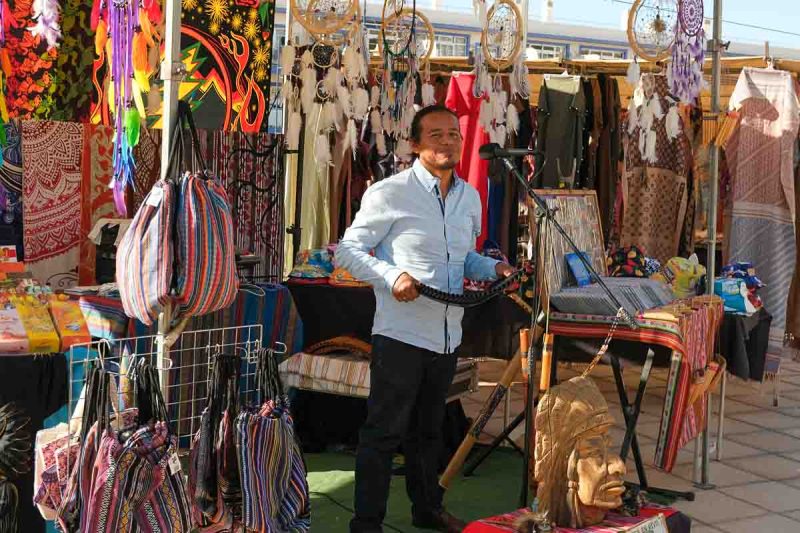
493,489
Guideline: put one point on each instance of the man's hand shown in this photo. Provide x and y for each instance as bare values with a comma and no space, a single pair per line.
503,270
405,288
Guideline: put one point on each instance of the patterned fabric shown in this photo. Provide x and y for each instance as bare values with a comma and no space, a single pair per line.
627,262
655,193
689,332
274,486
760,156
11,183
206,267
145,256
52,154
72,68
613,523
97,200
227,48
28,94
147,155
342,374
105,317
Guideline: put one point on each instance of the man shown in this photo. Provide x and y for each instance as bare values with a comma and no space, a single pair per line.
421,224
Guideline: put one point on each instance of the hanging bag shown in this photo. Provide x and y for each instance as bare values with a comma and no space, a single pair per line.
206,260
145,254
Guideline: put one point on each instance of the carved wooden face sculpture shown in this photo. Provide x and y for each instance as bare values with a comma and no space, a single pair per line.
579,479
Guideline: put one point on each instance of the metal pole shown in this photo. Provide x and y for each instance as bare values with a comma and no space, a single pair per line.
716,71
171,73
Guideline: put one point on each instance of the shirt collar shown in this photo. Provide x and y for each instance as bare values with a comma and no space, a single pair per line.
429,181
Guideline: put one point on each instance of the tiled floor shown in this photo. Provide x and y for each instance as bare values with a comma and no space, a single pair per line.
757,481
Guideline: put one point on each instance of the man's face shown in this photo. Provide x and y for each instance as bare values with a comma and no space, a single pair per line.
439,145
600,474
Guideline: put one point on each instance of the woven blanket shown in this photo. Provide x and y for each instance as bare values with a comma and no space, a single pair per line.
52,159
343,374
612,524
760,156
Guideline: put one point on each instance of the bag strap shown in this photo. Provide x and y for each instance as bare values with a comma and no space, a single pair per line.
185,110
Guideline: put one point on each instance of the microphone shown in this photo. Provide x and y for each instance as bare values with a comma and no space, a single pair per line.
494,150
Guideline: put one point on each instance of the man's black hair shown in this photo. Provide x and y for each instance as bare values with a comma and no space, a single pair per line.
416,128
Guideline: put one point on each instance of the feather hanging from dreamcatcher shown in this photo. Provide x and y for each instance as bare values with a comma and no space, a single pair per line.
518,81
293,130
634,73
428,95
512,119
288,56
685,73
360,102
46,13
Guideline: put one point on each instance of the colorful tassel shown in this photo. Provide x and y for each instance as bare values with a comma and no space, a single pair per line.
138,101
147,29
133,124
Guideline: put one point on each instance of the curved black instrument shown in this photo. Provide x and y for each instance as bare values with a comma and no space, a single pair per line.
470,298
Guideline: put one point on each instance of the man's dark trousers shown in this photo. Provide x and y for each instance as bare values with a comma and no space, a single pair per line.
408,393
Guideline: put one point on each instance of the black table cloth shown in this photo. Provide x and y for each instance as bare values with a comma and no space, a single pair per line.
491,329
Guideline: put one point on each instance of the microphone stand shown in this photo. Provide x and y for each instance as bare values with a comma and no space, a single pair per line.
545,217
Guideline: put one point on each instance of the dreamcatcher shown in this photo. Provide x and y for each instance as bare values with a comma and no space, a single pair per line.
651,28
685,73
15,453
405,42
327,85
124,36
501,43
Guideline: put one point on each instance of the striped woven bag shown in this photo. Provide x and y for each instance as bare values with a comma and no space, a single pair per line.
145,256
206,252
206,267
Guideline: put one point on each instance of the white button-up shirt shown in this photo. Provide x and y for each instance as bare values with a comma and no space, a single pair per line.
412,229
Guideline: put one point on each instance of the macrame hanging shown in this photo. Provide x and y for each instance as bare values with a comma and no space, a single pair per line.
124,35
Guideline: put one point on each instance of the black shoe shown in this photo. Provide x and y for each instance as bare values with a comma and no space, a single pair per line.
439,521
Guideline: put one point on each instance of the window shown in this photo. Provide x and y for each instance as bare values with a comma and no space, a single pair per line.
603,54
544,51
450,45
373,34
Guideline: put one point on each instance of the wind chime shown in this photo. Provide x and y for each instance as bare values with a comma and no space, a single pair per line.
500,50
124,35
405,43
327,85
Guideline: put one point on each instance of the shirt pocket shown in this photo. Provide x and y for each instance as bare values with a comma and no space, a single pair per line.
460,236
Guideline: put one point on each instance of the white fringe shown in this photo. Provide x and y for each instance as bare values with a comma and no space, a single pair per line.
634,73
512,119
352,136
360,101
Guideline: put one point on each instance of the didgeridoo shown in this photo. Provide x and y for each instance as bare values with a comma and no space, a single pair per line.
489,406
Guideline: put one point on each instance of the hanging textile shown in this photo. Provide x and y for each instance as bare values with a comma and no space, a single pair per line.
52,155
315,208
97,200
760,156
562,114
227,49
28,94
72,68
11,189
147,155
471,167
608,151
655,178
251,169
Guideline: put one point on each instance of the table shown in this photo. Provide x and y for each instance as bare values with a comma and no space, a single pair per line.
490,330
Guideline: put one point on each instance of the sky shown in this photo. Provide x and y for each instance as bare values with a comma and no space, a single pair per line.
781,15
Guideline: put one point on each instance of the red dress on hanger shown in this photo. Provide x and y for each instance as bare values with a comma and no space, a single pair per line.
471,167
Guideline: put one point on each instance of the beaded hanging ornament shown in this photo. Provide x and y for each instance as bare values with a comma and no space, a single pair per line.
124,35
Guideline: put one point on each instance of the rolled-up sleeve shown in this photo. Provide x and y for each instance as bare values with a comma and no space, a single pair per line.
476,266
371,225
